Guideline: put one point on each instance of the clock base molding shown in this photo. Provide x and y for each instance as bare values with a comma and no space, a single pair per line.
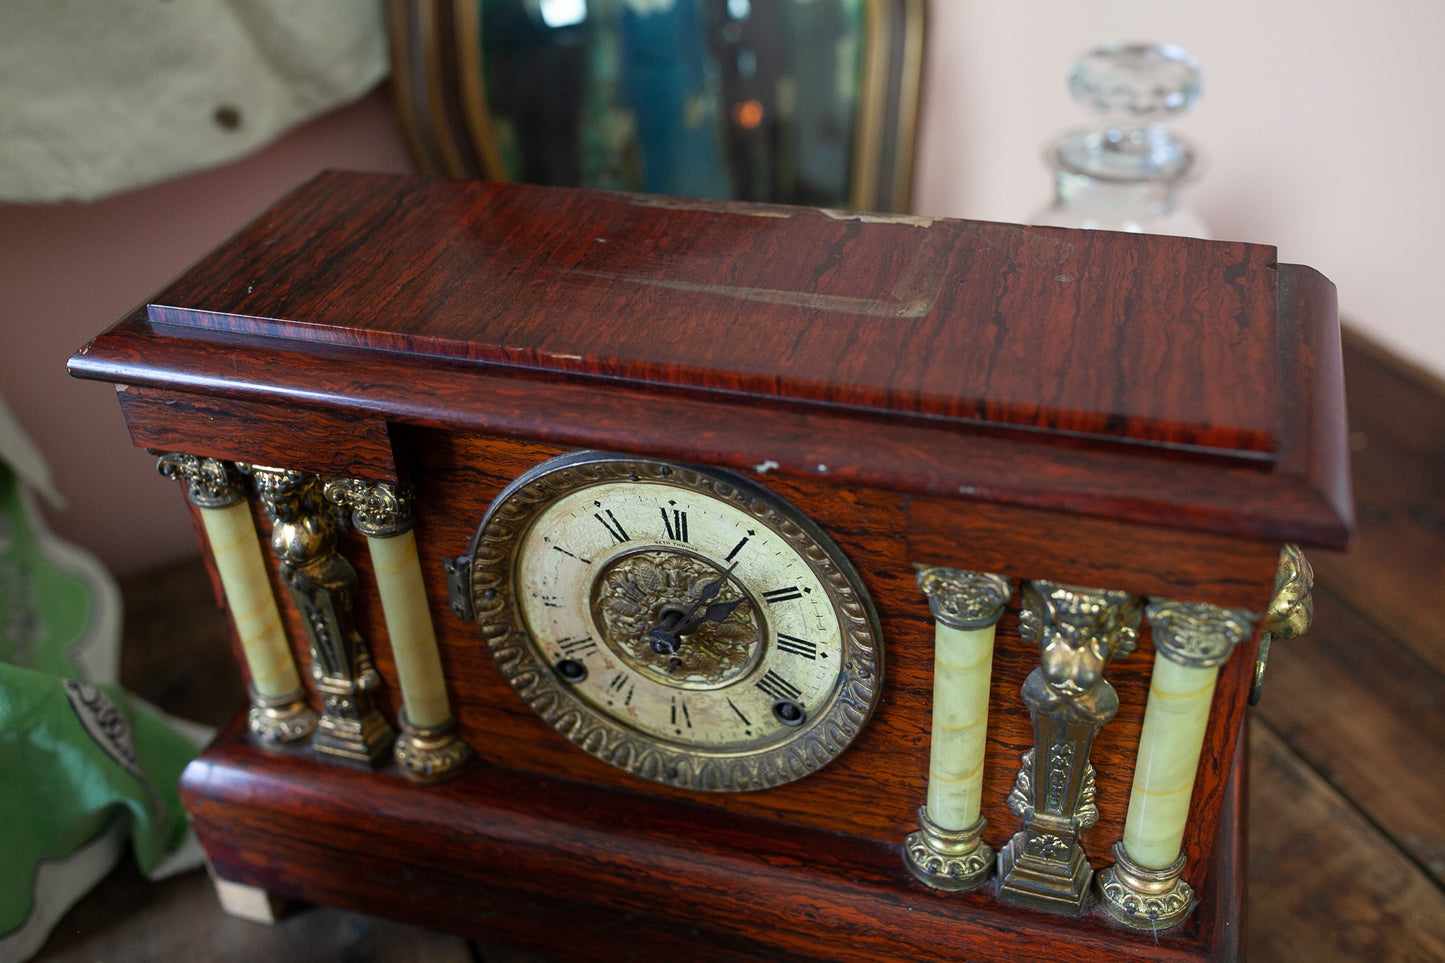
564,870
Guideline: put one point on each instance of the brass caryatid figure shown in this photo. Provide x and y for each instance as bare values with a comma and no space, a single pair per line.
324,585
1078,632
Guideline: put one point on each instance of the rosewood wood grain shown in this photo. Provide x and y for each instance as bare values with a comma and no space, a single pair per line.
883,775
1097,552
331,443
1221,925
1126,483
1147,338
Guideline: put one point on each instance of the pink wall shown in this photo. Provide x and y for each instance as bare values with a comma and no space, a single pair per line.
68,271
1319,125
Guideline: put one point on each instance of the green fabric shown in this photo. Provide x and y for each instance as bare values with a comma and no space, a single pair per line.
83,766
43,608
74,757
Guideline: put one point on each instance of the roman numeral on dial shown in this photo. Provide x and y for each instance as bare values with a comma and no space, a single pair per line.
782,595
621,686
613,526
578,647
675,523
797,646
778,687
739,546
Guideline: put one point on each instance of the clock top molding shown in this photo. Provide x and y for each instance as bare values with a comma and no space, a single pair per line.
1173,382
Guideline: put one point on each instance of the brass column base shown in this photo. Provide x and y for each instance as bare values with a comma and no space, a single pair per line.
1044,870
430,754
1142,898
353,742
949,859
279,722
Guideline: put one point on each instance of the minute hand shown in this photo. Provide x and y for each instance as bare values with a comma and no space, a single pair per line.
715,612
664,638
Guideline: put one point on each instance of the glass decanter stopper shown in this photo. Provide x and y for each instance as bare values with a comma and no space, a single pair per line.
1125,174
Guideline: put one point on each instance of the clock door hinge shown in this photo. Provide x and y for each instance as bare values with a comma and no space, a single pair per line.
459,586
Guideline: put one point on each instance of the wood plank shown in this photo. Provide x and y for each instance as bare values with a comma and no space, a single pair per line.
1395,572
1324,884
1368,715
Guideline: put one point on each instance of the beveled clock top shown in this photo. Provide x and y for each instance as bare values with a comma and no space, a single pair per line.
1154,340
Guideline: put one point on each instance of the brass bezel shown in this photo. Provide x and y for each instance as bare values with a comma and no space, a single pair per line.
830,728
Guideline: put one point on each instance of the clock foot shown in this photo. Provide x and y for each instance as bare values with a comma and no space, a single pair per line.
949,859
247,902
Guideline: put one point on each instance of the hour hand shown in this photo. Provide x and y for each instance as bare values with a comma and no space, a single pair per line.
665,639
716,612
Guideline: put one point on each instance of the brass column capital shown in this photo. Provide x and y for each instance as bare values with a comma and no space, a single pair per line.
962,599
378,509
210,482
1197,634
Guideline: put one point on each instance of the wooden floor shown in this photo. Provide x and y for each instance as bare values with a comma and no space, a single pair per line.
1347,749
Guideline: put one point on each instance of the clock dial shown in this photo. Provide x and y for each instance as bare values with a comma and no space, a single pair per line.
685,625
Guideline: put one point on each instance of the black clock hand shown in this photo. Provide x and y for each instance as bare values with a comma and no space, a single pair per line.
665,639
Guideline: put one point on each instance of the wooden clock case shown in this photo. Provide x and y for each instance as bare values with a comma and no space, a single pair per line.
1156,415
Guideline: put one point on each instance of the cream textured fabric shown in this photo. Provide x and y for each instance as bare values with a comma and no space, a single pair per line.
101,96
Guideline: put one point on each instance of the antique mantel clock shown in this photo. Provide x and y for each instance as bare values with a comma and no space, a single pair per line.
622,576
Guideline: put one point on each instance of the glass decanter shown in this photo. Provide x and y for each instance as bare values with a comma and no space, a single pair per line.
1126,173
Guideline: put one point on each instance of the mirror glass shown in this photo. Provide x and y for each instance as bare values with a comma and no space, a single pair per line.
742,99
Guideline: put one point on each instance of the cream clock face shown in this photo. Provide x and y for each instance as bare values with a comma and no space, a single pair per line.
681,624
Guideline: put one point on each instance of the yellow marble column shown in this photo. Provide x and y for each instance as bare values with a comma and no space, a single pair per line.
948,851
237,553
279,713
1143,888
428,749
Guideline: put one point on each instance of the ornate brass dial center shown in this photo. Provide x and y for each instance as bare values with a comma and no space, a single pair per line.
637,592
